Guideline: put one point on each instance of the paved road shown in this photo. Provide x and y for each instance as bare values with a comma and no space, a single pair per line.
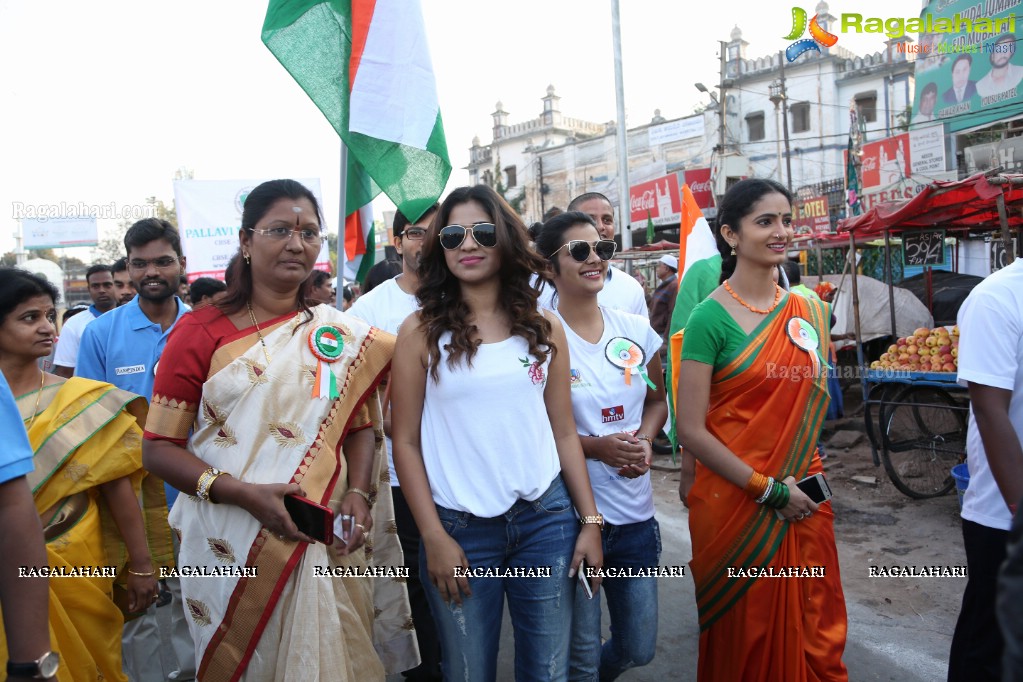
879,647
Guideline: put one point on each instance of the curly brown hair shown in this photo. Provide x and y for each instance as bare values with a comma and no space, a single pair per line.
440,292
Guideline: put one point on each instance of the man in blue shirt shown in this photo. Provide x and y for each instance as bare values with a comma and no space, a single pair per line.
123,347
25,600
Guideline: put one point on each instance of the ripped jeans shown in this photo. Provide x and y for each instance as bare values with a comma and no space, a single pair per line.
538,536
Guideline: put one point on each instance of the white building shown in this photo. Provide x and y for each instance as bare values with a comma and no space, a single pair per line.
819,87
553,158
513,147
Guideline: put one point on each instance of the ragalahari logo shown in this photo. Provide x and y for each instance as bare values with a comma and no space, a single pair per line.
818,36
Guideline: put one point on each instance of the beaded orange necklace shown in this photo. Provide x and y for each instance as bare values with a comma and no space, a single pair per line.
758,311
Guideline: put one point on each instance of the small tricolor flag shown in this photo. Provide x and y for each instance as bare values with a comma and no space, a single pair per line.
696,241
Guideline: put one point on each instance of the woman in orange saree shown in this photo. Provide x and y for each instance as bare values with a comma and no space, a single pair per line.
753,376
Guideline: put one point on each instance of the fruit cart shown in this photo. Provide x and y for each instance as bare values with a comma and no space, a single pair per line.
914,410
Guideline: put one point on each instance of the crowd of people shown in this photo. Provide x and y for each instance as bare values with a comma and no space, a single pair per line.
482,418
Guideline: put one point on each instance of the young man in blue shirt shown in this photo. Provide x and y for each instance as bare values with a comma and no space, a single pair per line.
123,347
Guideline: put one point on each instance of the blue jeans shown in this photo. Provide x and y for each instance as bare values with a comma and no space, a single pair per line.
631,602
534,534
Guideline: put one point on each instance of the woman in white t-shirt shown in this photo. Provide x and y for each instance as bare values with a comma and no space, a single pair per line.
486,448
618,403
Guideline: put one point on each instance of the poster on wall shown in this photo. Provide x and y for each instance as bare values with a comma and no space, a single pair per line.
898,167
811,216
657,200
968,70
209,217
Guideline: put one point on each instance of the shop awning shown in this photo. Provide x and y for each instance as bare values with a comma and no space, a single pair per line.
969,204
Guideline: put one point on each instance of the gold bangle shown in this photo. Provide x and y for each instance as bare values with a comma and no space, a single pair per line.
640,436
209,486
142,575
360,492
202,486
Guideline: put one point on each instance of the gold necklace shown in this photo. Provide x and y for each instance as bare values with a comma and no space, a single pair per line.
758,311
252,316
35,410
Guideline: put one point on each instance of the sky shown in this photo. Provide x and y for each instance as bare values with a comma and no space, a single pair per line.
102,102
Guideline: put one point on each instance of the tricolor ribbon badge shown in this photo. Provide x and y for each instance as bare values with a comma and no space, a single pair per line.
326,343
627,355
803,335
818,36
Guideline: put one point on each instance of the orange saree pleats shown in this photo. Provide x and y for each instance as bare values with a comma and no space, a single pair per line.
768,591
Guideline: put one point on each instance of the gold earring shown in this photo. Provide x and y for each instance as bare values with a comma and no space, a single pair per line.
248,258
733,249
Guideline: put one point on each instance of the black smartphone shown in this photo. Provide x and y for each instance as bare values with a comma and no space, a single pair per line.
816,488
313,519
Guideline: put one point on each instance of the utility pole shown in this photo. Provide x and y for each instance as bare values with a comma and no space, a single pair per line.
624,209
785,120
543,206
723,105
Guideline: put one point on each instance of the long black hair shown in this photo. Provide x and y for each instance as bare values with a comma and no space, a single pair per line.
736,205
440,292
17,286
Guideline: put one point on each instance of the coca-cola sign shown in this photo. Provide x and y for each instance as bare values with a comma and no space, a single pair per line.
699,182
659,199
886,162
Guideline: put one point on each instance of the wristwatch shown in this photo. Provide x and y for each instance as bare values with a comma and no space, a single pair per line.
43,668
596,519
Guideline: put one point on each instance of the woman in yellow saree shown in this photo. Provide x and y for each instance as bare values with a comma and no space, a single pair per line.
257,398
86,485
754,381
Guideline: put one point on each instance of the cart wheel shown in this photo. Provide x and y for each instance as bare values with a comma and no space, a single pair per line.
873,417
923,438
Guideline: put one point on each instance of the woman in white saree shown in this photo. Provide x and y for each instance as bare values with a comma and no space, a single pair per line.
261,397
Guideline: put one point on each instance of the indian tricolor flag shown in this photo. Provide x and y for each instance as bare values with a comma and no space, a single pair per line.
366,66
358,233
696,241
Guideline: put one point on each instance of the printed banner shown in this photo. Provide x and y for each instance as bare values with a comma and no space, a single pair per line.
54,233
699,182
812,216
896,168
968,69
209,217
659,199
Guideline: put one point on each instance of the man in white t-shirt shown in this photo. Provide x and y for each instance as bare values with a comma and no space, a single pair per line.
991,366
101,289
620,292
385,307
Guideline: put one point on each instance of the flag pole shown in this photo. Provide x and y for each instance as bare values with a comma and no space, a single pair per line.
624,207
339,265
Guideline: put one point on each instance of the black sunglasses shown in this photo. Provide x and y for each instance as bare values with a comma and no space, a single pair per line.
579,250
452,236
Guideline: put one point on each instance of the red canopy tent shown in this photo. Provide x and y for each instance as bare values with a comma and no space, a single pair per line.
971,204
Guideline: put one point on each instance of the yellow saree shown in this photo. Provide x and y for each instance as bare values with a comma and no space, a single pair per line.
84,435
767,404
256,419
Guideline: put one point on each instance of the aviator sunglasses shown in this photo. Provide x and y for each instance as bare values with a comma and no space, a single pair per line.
452,236
579,250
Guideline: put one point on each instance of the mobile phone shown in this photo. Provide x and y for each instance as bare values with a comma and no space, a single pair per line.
815,487
584,580
313,519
